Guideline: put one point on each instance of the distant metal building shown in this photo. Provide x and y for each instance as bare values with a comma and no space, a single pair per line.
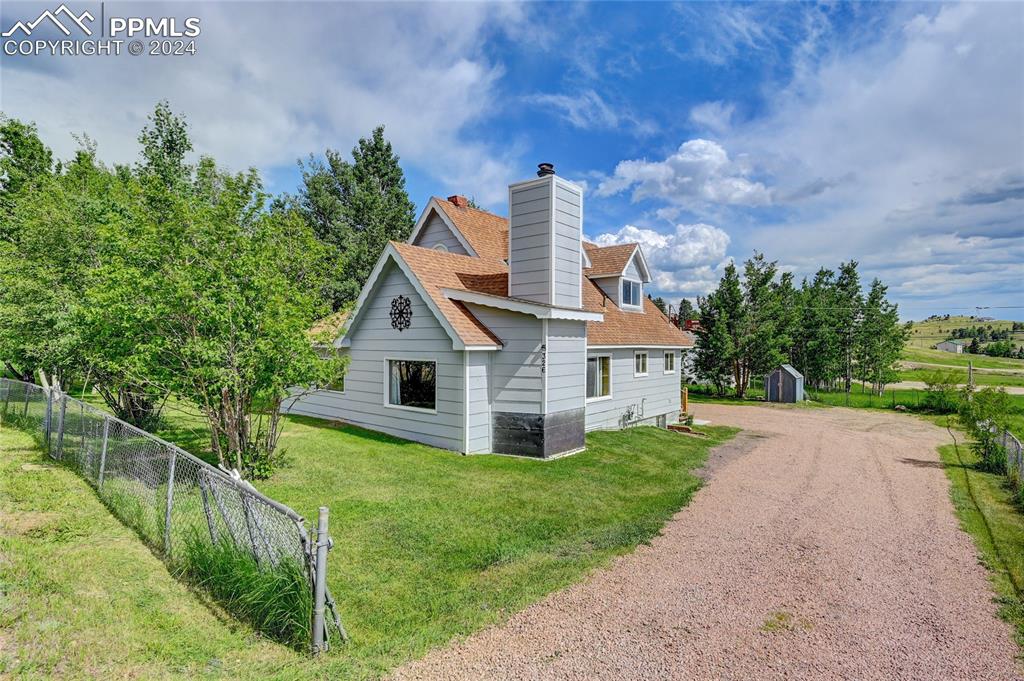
951,346
784,384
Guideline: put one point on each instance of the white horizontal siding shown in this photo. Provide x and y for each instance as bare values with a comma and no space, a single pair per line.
373,342
516,379
566,367
656,394
435,232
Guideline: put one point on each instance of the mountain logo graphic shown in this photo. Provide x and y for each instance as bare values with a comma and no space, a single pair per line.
76,20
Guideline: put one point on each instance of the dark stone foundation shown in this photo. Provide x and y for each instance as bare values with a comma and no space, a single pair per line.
539,435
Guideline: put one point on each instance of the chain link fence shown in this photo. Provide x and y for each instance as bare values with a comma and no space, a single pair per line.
183,507
1014,456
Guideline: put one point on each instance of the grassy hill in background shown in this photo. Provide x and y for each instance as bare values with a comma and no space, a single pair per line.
927,333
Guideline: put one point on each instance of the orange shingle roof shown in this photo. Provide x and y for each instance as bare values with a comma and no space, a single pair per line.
629,328
486,232
437,270
610,260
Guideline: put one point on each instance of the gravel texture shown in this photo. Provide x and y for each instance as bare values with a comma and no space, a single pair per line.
827,550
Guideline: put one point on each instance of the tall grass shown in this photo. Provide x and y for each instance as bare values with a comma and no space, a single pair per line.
276,601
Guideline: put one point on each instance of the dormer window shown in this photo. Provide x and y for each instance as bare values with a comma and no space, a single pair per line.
631,293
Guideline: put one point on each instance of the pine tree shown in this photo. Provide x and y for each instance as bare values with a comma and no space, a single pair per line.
356,208
713,361
686,312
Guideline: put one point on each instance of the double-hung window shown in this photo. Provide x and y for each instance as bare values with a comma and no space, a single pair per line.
599,377
630,292
670,362
640,364
412,384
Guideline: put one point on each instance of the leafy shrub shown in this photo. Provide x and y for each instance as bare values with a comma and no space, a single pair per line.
984,415
276,601
941,394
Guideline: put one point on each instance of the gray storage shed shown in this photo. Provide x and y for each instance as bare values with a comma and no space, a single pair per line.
784,384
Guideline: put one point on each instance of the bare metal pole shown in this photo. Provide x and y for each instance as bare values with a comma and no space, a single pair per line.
320,581
103,452
60,431
170,502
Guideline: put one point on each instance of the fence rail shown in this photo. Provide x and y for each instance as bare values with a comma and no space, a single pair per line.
175,501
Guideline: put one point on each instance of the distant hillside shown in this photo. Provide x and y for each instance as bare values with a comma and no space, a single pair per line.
925,334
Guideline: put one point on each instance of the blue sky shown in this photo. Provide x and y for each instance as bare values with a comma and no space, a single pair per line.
888,133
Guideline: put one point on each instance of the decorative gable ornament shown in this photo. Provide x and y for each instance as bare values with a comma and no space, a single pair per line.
401,313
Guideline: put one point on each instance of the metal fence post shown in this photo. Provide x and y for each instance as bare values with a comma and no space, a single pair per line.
60,430
170,502
103,452
81,424
320,581
48,418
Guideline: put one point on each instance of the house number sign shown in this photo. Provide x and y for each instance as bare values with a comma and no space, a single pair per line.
401,313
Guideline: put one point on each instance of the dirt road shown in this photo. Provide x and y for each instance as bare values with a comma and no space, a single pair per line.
827,550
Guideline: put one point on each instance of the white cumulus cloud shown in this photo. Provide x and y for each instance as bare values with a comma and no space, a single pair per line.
686,261
699,172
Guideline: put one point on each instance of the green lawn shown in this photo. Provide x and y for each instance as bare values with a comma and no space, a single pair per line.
980,377
429,545
917,354
990,513
82,597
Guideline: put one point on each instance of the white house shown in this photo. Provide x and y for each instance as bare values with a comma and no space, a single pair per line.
487,334
951,346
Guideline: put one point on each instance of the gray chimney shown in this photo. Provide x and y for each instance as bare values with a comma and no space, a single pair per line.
545,239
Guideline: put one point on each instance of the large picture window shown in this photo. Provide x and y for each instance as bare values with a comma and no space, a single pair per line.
630,292
412,384
599,377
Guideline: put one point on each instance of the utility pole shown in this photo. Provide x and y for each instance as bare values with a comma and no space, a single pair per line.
970,374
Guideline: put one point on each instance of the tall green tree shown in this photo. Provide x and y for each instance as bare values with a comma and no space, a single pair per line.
24,160
817,347
760,338
687,312
849,312
879,339
714,352
43,272
356,208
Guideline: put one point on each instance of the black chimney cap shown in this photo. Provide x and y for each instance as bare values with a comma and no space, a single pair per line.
545,169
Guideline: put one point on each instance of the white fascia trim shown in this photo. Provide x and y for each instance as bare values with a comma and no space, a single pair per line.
538,311
642,262
390,253
434,206
630,347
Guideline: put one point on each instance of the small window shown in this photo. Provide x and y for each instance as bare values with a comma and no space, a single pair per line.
441,247
630,292
412,384
670,362
640,364
599,377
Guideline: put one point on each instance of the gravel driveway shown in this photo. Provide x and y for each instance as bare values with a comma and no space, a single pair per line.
826,549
